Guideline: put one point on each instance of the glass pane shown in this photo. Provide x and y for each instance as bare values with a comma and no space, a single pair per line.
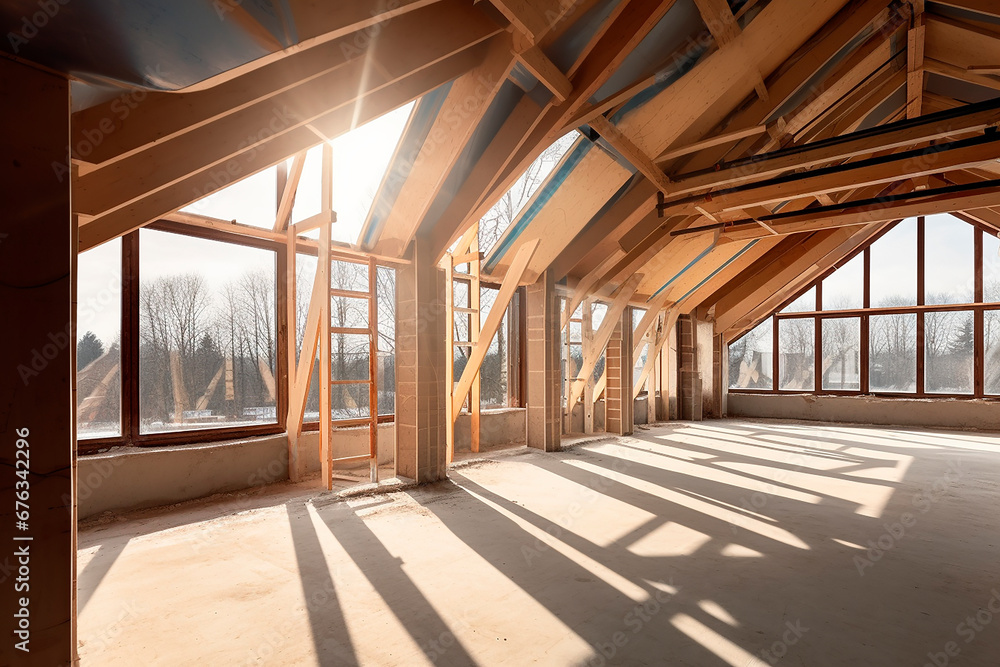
842,353
360,158
460,290
98,345
894,267
575,360
597,315
349,357
949,267
349,401
844,288
991,268
575,332
796,354
991,345
252,201
349,276
305,277
750,359
207,348
493,372
499,218
640,363
892,353
803,304
347,311
949,345
386,299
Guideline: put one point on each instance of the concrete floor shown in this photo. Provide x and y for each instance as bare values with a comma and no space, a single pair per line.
688,544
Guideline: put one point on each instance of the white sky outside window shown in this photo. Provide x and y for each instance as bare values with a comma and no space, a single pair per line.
360,159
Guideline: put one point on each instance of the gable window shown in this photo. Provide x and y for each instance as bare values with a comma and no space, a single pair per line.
916,312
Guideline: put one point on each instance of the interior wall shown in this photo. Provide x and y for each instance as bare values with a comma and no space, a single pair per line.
955,413
141,477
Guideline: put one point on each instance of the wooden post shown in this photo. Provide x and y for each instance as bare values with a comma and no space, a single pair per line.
449,361
373,369
587,335
38,425
475,297
323,278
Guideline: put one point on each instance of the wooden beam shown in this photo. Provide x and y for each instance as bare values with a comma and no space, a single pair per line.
915,64
287,200
525,17
985,7
124,125
601,338
543,69
909,164
466,103
929,202
649,318
630,151
584,288
960,73
193,186
897,135
215,144
479,350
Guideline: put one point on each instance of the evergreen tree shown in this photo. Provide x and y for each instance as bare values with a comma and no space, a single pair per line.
88,349
964,340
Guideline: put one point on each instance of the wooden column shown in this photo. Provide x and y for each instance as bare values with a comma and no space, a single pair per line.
37,406
618,402
421,378
544,405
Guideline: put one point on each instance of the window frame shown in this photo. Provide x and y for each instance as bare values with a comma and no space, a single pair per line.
978,307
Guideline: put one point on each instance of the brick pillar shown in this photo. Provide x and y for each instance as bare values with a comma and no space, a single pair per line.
544,405
421,414
618,394
37,407
689,377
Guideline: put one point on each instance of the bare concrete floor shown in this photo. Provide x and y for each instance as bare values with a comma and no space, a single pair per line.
688,544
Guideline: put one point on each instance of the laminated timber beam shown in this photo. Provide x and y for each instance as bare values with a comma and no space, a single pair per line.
630,151
881,209
128,124
985,7
915,62
193,186
216,143
968,119
287,200
872,171
724,28
467,101
601,338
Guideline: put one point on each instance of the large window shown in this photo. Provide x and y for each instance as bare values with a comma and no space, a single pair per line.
916,313
207,333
